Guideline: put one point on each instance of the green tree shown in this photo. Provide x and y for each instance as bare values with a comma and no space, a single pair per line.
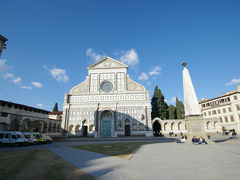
55,107
154,102
179,109
172,112
159,106
163,107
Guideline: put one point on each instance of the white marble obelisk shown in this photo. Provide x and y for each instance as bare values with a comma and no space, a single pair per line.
191,105
193,116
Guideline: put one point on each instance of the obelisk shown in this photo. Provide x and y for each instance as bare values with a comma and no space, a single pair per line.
193,116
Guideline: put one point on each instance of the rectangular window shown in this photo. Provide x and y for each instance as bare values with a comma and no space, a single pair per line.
214,112
14,136
238,107
7,136
229,109
226,119
224,110
221,120
4,114
232,119
205,114
1,135
219,111
209,113
235,98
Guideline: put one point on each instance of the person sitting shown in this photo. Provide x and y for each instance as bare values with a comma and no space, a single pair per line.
204,141
195,140
183,140
234,134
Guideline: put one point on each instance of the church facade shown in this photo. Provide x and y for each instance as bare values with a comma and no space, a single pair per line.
107,104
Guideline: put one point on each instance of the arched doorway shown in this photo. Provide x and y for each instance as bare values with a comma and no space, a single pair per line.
84,128
36,126
26,125
156,128
127,127
45,127
106,123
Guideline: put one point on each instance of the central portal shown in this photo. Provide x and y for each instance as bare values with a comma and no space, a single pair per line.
106,123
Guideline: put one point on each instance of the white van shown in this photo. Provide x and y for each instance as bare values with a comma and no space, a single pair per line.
14,138
31,139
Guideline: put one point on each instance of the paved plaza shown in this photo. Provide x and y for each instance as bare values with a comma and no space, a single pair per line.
166,160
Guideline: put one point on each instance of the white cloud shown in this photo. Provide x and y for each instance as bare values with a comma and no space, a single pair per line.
37,84
233,82
26,87
17,80
143,76
59,74
155,71
129,57
44,66
94,55
8,75
171,101
40,105
3,66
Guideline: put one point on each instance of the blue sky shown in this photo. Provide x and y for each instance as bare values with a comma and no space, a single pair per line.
52,42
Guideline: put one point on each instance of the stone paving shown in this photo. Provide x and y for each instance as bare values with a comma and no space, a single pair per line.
161,161
218,161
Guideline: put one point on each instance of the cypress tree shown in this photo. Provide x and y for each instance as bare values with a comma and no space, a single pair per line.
154,102
180,109
163,107
55,107
159,106
172,112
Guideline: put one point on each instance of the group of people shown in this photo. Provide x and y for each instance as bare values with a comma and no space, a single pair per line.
200,140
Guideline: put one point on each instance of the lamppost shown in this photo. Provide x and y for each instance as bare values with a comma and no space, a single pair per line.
2,43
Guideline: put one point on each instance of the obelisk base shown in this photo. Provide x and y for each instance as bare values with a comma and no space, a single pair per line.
195,127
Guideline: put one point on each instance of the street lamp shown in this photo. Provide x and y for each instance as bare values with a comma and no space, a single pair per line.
2,43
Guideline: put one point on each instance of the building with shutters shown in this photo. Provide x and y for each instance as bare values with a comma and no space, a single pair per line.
226,108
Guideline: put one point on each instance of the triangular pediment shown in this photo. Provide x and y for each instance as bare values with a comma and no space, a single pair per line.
107,63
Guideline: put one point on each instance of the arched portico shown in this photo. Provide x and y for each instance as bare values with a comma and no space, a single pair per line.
157,128
175,126
26,125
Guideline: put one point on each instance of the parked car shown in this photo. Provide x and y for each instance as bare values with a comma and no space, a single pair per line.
39,137
14,138
47,138
31,139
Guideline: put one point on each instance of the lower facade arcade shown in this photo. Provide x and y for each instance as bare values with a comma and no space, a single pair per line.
100,121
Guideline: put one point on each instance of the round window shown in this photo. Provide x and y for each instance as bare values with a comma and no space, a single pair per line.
106,86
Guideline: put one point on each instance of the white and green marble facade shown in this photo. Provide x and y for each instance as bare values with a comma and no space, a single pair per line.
107,94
